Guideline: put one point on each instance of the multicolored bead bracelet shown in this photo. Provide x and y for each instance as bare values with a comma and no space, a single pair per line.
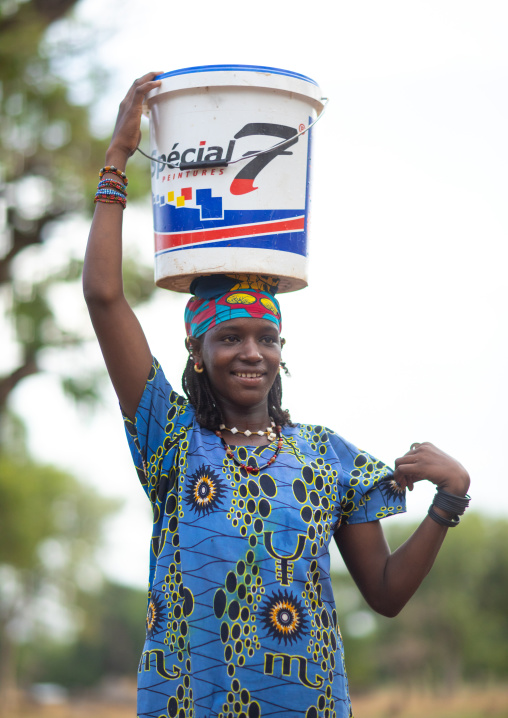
109,190
112,184
111,169
110,197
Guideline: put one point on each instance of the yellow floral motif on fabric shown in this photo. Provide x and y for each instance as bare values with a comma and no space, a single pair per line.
268,304
259,282
241,299
284,617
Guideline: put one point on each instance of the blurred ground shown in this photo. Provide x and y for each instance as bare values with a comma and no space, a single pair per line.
394,703
466,703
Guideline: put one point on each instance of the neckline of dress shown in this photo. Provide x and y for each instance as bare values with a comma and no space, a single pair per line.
253,447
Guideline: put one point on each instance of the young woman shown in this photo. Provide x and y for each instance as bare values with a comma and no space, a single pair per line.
241,618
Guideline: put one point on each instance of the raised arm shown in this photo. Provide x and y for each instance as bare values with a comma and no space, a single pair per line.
121,338
388,580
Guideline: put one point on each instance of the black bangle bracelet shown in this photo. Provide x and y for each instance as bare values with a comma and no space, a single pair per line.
451,503
450,523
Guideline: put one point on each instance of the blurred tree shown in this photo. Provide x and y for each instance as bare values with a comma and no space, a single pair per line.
458,616
50,529
455,628
109,642
49,162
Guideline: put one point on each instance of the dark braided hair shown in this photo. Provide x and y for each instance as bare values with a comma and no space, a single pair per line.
199,392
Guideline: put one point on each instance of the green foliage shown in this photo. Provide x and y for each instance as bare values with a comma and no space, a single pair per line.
109,644
455,628
50,525
49,164
25,490
41,504
50,529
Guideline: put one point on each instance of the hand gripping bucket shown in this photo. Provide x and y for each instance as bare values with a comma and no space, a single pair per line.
230,148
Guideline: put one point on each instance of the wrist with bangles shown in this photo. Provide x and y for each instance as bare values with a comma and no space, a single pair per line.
112,191
452,504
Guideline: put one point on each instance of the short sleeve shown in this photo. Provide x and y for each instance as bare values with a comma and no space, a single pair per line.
161,410
368,490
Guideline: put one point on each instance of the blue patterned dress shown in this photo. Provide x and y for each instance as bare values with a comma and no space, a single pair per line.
241,617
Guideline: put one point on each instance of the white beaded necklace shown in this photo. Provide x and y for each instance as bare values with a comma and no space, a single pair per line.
269,431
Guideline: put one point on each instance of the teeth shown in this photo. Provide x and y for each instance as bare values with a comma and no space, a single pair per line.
248,375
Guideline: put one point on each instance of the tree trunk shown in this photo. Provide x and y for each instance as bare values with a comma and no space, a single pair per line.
9,382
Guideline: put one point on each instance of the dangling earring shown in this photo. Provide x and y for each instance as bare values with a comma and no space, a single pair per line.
283,366
198,369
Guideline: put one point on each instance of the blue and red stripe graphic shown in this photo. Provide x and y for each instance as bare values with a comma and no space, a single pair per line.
168,241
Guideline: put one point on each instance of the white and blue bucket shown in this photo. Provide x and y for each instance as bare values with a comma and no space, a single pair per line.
231,155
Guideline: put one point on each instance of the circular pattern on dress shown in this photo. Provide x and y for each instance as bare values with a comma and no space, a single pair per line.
268,486
391,490
155,615
205,491
283,617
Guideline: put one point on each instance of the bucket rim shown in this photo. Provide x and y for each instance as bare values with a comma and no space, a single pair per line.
236,68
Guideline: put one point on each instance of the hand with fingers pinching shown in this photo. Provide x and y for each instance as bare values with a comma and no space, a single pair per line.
426,462
127,134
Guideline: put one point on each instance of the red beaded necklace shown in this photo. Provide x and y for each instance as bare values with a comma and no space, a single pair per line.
253,469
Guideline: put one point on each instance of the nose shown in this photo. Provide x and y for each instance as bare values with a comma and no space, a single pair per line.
250,350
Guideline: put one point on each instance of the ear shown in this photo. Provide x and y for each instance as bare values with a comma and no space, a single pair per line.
193,346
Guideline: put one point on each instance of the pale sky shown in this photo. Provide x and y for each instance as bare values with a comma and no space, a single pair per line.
401,335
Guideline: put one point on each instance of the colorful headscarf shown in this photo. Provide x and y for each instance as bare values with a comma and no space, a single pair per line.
221,297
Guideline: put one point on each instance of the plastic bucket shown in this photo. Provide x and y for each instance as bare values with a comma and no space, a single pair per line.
230,173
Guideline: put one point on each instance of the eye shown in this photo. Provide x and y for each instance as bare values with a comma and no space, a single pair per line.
269,340
230,338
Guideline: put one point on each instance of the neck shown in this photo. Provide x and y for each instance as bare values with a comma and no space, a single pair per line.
254,419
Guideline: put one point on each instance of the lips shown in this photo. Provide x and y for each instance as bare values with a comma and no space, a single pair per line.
248,374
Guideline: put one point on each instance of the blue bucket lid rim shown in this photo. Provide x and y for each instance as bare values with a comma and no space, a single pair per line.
237,68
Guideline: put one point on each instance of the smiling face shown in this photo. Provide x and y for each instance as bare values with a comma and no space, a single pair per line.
242,358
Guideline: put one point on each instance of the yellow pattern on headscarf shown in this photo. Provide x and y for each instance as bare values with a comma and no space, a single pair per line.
241,299
268,304
259,282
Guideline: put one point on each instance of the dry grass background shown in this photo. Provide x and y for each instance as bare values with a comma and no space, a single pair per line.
395,703
465,703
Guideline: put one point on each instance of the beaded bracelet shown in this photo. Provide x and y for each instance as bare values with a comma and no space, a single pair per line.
112,192
110,201
115,171
110,197
109,190
112,184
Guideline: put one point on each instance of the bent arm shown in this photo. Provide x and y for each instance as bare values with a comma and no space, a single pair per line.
388,580
121,338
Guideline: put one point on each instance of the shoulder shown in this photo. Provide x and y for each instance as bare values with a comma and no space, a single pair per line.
160,397
325,441
318,434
